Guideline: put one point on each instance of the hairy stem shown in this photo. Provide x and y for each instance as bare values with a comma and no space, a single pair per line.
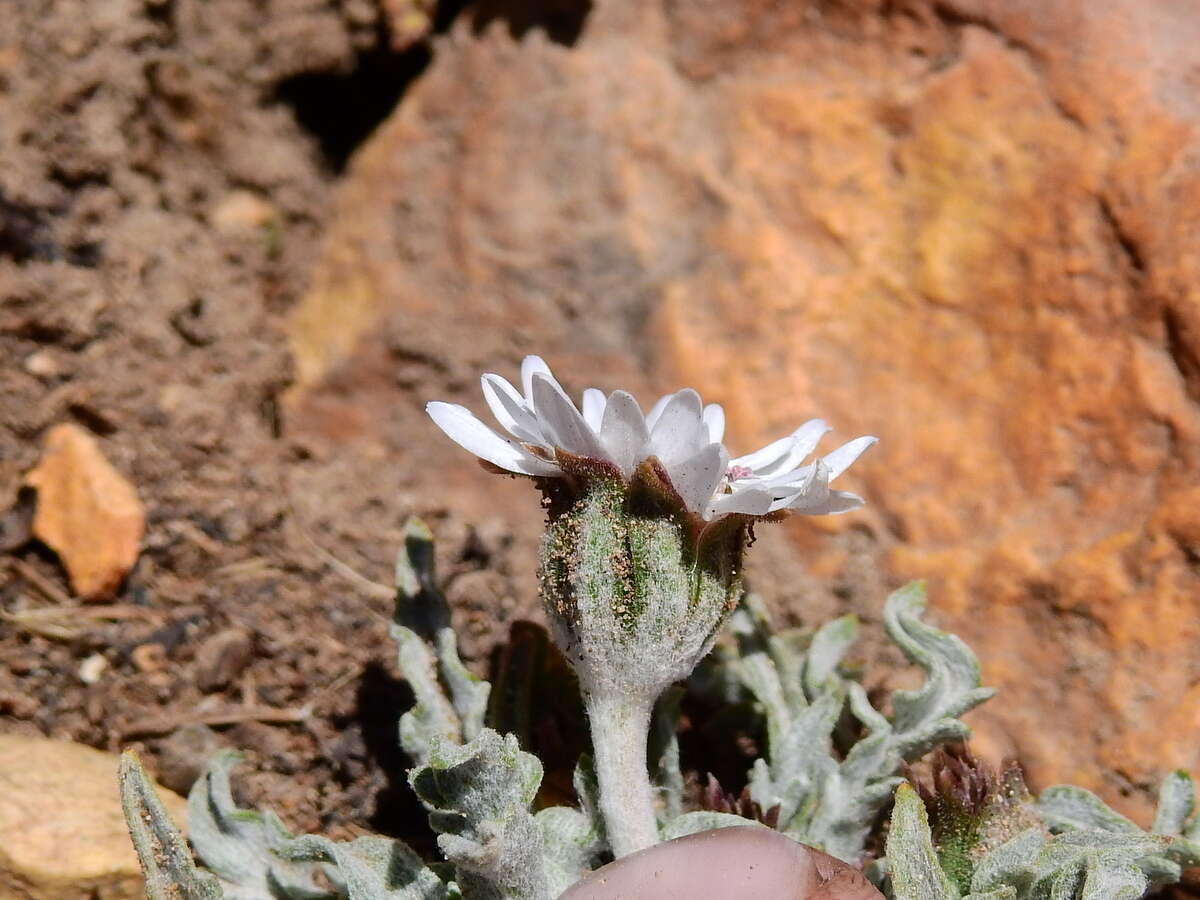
620,726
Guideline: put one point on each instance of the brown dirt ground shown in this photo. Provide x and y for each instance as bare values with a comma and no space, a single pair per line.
135,301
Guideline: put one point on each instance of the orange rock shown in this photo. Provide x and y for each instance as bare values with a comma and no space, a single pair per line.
87,512
967,227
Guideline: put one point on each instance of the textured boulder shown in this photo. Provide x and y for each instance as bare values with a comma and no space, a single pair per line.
62,832
968,227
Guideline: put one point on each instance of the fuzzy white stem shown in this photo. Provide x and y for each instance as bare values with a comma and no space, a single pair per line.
620,726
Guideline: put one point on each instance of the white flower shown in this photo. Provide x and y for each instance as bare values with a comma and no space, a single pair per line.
679,431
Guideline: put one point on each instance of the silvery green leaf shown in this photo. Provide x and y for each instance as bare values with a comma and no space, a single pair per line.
1068,862
1125,847
1173,818
1103,881
478,796
432,717
702,820
757,670
468,692
928,716
1062,884
829,800
789,652
912,862
166,863
665,772
1012,864
370,867
572,839
856,789
240,845
828,646
801,765
451,702
1065,807
1176,802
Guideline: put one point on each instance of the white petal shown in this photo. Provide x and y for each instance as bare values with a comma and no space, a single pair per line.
835,502
789,482
623,432
593,408
714,418
803,441
656,410
807,437
697,477
509,409
561,420
530,366
680,432
812,488
765,456
844,456
750,501
463,428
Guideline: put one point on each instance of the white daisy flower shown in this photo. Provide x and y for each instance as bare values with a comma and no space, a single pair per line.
681,434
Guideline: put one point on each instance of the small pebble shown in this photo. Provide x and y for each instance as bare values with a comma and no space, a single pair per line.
44,364
222,658
183,756
240,211
92,668
148,658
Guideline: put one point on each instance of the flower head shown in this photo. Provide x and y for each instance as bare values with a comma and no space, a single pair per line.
680,439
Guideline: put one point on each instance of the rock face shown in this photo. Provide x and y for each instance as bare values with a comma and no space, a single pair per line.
62,832
969,227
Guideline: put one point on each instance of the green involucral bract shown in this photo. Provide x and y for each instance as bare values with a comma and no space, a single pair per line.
635,590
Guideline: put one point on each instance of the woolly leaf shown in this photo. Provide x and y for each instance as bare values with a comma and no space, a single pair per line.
664,753
912,861
166,863
1176,802
451,702
1013,864
370,867
1113,882
828,646
1069,808
240,845
927,717
572,839
829,799
478,796
1065,807
1076,864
